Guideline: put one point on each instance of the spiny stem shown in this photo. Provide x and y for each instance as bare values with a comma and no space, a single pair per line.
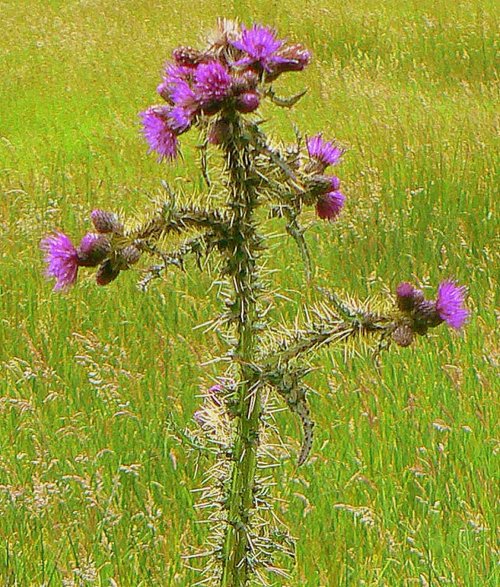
176,221
241,266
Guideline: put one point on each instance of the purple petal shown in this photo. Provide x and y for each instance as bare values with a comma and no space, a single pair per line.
61,258
325,152
329,205
450,303
212,82
261,46
158,132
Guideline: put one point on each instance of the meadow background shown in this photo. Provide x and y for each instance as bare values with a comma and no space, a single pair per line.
402,485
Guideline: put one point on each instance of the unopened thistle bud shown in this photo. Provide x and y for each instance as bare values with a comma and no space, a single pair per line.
93,249
426,314
292,58
188,56
105,222
247,102
128,256
403,335
407,296
106,273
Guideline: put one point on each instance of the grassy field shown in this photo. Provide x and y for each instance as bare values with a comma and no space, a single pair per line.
402,485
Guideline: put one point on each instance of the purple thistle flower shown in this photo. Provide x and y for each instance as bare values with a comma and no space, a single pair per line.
324,152
212,82
159,133
186,105
61,258
450,304
174,75
261,46
182,94
180,119
334,183
329,205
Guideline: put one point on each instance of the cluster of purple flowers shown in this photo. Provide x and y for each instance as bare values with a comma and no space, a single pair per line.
227,76
448,306
95,250
323,154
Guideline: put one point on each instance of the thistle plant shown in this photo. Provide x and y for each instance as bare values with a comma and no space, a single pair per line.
218,91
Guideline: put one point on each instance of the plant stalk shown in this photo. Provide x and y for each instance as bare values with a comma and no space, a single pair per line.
241,266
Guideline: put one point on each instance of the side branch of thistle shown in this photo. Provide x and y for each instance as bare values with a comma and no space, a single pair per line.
193,246
328,327
172,220
285,365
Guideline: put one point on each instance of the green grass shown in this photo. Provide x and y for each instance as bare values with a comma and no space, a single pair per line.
402,485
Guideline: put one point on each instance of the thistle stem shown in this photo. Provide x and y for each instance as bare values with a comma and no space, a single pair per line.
241,266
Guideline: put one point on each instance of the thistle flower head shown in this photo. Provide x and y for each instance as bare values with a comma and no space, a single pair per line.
329,205
188,57
403,335
450,304
181,115
127,256
106,222
424,314
106,273
180,119
324,152
61,258
212,83
225,32
174,75
182,94
93,249
407,296
261,46
247,102
158,132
